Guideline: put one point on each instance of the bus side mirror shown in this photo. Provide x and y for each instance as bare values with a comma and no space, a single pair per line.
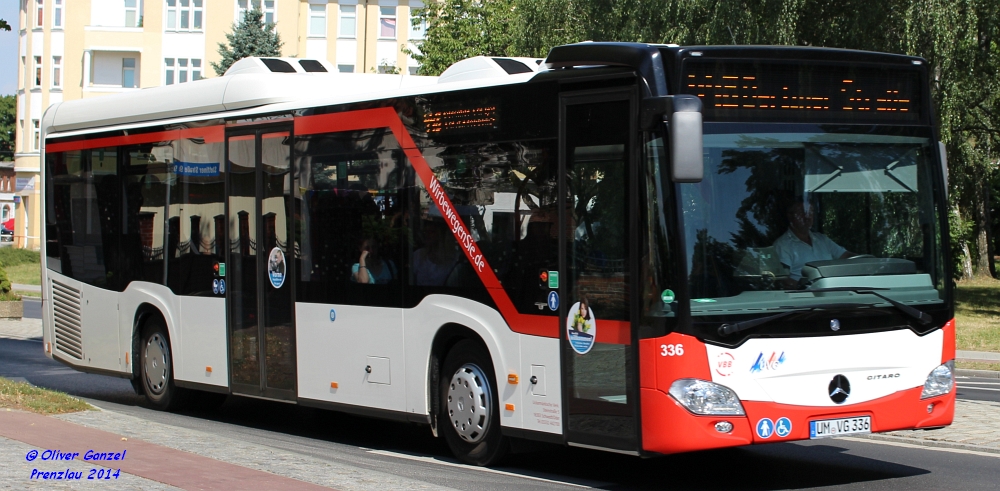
682,114
684,125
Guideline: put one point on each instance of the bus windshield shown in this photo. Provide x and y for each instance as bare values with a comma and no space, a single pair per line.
785,211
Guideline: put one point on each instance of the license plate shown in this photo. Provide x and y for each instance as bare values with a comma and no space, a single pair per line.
826,428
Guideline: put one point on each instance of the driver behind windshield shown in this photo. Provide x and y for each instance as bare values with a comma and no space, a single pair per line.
800,245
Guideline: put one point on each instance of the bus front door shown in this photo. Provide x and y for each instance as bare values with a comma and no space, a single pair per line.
259,297
599,364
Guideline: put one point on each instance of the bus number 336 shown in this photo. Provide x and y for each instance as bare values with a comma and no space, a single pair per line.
671,350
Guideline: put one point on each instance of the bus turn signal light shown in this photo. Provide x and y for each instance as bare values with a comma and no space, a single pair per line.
208,369
334,385
512,379
509,407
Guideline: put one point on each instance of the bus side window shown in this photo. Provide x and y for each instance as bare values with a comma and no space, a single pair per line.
350,185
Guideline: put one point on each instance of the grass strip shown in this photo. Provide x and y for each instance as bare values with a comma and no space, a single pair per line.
25,274
977,365
26,397
977,314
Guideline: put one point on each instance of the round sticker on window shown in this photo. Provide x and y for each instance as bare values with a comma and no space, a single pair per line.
276,267
581,327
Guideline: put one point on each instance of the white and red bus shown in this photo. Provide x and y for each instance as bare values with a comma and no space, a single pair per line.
645,249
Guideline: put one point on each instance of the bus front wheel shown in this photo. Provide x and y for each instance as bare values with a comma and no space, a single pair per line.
157,367
470,415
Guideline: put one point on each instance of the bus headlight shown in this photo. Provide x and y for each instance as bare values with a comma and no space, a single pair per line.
706,398
939,381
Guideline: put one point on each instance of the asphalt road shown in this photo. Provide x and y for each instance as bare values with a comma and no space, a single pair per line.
410,450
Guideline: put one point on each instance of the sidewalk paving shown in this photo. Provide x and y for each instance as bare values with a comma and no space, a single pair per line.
166,465
21,287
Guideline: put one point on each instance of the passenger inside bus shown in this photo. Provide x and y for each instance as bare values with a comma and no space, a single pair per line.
371,268
800,245
434,262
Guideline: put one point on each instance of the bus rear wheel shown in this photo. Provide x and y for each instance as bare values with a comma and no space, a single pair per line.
157,369
470,411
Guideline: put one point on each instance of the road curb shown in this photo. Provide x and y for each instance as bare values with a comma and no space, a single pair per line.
977,373
931,443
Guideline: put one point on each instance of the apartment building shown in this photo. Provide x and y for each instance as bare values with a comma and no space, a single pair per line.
72,49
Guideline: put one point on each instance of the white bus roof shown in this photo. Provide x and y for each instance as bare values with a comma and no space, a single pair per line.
252,85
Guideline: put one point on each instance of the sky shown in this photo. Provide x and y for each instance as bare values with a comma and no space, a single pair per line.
8,47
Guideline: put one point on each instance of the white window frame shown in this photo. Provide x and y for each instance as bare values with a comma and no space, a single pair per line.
190,69
342,17
395,20
57,14
317,12
57,72
242,5
134,69
193,10
39,13
416,6
36,135
135,13
37,72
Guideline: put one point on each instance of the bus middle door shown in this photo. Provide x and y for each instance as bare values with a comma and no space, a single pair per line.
260,308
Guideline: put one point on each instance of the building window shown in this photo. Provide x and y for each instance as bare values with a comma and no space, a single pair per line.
317,20
131,13
418,27
38,71
185,15
40,9
387,22
57,8
36,135
267,6
413,70
180,70
345,68
56,71
128,72
348,21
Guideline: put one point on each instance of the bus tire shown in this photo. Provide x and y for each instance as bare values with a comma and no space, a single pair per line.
470,410
157,369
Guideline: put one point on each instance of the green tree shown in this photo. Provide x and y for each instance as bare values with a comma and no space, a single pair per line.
252,37
459,29
8,111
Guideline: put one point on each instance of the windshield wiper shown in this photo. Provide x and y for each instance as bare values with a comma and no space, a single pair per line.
923,317
727,329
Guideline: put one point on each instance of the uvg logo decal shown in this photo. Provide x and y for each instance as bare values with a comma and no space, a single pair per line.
455,222
770,363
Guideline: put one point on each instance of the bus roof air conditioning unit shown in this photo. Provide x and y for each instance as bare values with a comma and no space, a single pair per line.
253,64
481,67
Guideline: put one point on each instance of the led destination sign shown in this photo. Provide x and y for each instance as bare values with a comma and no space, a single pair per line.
790,92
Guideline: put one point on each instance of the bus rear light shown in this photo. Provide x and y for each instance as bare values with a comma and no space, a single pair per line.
940,381
706,398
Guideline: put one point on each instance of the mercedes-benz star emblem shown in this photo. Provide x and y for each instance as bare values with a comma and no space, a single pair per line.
834,324
840,389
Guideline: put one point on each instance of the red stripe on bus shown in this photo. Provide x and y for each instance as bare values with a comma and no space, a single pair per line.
211,134
386,117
